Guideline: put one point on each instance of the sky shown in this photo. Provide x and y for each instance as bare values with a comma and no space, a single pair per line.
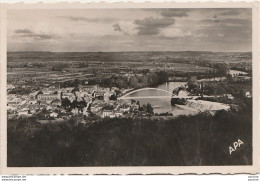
116,30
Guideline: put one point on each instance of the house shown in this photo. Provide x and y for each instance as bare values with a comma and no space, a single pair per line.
183,93
108,113
88,99
68,95
80,95
33,107
135,106
22,101
95,107
88,94
62,111
88,87
75,111
125,108
242,77
99,95
54,115
23,112
248,95
65,115
106,96
118,113
13,101
86,113
10,115
229,96
48,97
142,113
32,101
56,103
12,105
10,86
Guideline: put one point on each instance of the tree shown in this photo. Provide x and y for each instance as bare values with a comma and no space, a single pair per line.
82,103
229,77
75,89
220,90
162,77
149,108
193,85
118,92
40,92
44,111
133,82
120,82
209,88
65,102
113,97
76,82
74,104
222,69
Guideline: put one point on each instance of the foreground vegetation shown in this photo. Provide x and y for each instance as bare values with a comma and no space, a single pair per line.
201,139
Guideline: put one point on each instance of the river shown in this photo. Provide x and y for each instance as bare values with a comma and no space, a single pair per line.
163,105
232,72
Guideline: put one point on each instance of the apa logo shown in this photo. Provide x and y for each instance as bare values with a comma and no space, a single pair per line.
236,144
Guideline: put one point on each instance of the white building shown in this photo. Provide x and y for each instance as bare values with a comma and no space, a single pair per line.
108,113
54,115
23,113
119,113
248,95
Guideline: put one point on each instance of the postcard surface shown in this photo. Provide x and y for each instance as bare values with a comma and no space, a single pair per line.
129,88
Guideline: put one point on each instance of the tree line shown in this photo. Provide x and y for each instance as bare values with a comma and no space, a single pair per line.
121,81
135,81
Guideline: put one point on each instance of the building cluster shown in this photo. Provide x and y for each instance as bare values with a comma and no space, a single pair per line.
55,103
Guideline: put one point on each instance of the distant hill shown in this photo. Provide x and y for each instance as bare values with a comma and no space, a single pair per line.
125,56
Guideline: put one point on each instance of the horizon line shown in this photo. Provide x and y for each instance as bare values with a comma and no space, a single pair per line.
131,51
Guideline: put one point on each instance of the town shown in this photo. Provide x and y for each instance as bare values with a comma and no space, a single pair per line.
60,104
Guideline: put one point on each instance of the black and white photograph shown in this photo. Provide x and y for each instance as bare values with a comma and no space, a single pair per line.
129,87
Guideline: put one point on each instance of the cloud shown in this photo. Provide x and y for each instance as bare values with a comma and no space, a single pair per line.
236,22
228,22
220,35
125,27
174,13
81,18
182,33
22,31
117,27
152,26
231,12
174,33
201,35
36,36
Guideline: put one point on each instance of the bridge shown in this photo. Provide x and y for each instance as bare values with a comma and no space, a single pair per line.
146,97
154,97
